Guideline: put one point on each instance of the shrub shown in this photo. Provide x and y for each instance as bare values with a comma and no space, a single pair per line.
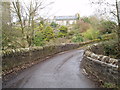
48,33
91,34
53,24
63,31
71,33
77,38
110,49
107,27
12,37
110,85
39,40
44,35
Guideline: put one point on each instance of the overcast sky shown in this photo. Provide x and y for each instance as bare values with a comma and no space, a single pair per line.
71,7
68,7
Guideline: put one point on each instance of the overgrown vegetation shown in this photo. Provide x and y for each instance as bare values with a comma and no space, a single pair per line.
110,49
45,33
111,85
36,31
62,31
91,34
78,38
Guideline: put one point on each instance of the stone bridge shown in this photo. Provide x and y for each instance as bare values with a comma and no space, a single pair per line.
103,68
59,67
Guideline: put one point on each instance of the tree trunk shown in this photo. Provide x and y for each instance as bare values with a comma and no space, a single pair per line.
118,32
118,28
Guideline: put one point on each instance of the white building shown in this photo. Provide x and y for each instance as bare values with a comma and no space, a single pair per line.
66,20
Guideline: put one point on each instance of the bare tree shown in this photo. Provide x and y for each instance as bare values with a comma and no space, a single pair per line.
17,8
29,13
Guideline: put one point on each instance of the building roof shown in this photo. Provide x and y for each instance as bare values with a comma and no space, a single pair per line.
65,18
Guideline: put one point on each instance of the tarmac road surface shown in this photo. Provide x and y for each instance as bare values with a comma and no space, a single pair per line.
61,71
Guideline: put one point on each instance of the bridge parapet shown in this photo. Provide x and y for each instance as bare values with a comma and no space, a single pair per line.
16,60
103,68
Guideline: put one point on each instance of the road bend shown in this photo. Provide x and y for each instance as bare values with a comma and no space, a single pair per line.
60,71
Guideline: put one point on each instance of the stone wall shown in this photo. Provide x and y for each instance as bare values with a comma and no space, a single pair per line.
19,57
103,68
14,61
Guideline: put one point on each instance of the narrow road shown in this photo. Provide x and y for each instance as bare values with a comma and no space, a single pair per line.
61,71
